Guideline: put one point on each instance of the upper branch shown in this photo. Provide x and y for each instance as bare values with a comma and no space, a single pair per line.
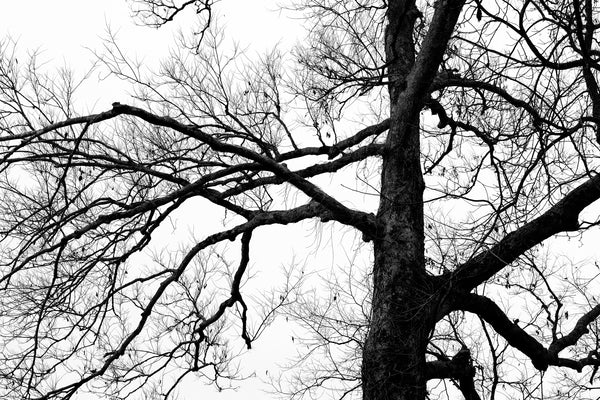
434,46
157,13
360,220
336,149
410,101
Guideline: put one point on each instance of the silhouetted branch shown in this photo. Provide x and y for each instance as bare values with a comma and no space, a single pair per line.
518,338
561,217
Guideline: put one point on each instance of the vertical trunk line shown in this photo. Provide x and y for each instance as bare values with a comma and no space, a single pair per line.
394,353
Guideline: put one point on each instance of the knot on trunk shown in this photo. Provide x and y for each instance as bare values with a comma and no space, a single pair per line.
459,366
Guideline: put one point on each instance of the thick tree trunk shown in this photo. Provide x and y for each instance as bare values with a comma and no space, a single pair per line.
394,353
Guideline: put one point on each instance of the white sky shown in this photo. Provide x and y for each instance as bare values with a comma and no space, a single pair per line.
66,30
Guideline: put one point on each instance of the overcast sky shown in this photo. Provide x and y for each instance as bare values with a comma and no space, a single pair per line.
66,31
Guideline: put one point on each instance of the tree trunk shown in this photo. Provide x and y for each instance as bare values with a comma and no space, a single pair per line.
394,353
402,314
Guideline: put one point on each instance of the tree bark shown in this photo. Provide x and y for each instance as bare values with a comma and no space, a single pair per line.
394,353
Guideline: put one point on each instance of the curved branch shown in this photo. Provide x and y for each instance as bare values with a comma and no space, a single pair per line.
360,220
580,329
460,367
513,333
540,356
454,80
310,210
561,217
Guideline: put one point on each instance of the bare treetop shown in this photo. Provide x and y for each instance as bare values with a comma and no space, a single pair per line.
473,125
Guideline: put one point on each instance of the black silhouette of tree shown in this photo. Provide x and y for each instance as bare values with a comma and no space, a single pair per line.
475,125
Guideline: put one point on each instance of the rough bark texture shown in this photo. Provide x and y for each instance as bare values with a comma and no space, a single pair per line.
394,356
394,365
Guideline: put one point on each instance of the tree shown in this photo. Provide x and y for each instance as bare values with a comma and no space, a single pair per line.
479,140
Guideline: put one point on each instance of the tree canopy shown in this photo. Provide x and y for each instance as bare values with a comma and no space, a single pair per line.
450,146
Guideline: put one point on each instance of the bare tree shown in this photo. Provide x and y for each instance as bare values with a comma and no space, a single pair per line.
473,126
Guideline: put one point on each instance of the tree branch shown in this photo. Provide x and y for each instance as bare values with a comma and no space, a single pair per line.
454,80
521,340
580,329
460,367
360,220
433,47
514,335
336,149
235,297
260,219
561,217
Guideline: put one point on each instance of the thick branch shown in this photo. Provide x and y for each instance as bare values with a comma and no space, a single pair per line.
433,48
460,367
521,340
580,329
561,217
453,368
410,101
360,220
514,335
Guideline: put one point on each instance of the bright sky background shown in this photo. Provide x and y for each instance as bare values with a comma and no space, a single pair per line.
66,30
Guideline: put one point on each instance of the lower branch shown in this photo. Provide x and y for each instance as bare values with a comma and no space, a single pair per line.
460,368
235,297
540,356
282,217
